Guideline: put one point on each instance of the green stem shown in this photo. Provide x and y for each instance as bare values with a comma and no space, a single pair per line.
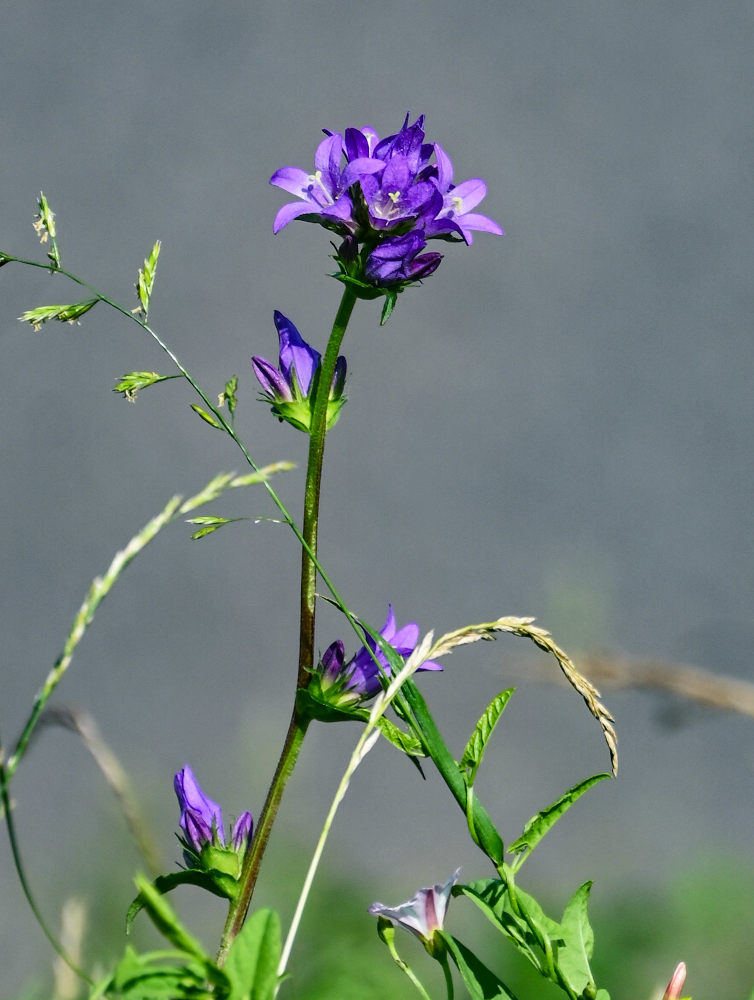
443,960
313,485
253,858
309,565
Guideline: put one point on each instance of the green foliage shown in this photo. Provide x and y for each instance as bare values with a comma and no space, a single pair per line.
40,315
252,961
559,951
539,825
474,752
156,975
145,281
481,982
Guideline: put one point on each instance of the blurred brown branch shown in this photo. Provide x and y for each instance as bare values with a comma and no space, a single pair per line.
727,694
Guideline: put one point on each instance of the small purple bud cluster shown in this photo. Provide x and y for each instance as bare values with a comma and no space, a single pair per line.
344,683
386,198
290,387
202,821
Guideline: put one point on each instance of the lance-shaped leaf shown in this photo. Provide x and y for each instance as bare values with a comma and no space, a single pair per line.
559,951
480,981
472,755
166,921
63,314
482,827
219,883
145,281
252,961
578,940
539,825
158,975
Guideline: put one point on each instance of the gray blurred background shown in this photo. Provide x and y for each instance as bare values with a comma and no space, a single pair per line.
558,423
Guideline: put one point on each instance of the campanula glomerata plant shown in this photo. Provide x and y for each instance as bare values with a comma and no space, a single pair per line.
387,203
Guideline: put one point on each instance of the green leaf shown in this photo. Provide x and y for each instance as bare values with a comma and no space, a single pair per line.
206,416
578,941
486,835
131,382
404,742
536,828
559,951
472,755
218,883
252,961
480,981
64,314
228,395
389,304
145,281
160,975
492,896
166,920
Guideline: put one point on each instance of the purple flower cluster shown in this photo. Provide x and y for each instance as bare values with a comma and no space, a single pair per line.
290,387
346,683
202,820
386,197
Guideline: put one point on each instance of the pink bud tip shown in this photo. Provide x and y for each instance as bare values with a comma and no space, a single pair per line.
673,992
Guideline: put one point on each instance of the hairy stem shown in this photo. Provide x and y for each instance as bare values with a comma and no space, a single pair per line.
309,565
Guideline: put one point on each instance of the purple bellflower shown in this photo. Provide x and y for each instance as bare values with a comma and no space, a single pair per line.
202,820
290,387
344,683
423,914
325,192
376,192
399,260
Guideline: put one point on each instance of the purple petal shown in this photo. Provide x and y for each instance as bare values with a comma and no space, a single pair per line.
327,161
199,814
359,168
467,195
271,380
333,659
292,211
339,378
444,168
295,354
242,831
294,180
480,222
406,638
388,629
356,145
